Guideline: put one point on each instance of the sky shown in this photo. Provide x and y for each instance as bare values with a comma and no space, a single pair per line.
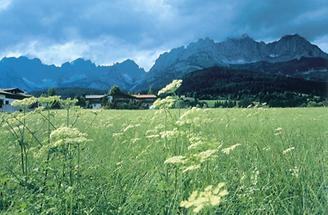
109,31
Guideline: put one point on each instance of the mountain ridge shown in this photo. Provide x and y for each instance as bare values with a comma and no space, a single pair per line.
243,51
77,73
206,53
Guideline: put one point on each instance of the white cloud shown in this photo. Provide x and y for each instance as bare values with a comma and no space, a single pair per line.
322,42
159,8
4,4
103,51
110,31
48,53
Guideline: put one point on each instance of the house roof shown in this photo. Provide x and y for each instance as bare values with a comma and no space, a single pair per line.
95,96
145,96
14,93
12,89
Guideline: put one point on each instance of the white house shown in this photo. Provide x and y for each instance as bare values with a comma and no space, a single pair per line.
96,101
7,96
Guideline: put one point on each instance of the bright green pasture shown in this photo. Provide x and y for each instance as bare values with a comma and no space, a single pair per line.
280,166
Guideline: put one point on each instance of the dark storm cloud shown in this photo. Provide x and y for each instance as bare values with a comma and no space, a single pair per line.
273,18
110,30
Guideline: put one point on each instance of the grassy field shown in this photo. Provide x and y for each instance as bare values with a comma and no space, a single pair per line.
271,161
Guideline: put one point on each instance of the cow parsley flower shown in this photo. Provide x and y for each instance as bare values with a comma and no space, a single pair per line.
295,172
229,149
153,136
278,131
48,101
167,103
67,135
68,103
191,168
175,160
205,155
117,134
195,145
171,88
25,103
192,117
210,197
254,176
288,150
135,140
170,134
129,127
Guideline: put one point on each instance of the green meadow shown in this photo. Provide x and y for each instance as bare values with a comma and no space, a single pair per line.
205,161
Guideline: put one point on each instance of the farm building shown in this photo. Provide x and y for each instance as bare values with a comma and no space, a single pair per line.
145,99
7,96
97,101
120,100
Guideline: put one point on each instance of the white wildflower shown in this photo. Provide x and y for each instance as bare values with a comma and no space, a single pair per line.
135,140
210,197
119,163
68,103
192,117
195,142
127,128
66,135
230,149
153,136
25,103
278,131
295,172
176,160
48,101
266,148
254,176
170,134
205,155
166,103
171,88
288,150
191,168
117,134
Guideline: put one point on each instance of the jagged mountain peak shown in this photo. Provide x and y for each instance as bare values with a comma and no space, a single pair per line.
21,59
79,62
205,53
32,74
129,62
243,37
294,46
246,36
202,42
293,37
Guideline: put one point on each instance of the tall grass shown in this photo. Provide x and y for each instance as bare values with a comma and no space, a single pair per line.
150,162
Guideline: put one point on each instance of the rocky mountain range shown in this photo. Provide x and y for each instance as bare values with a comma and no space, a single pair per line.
290,55
32,74
244,50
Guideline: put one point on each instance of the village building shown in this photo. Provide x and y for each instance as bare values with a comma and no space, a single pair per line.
146,100
120,101
97,101
8,96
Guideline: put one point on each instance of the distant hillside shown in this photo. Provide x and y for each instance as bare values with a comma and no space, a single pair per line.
304,67
227,82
